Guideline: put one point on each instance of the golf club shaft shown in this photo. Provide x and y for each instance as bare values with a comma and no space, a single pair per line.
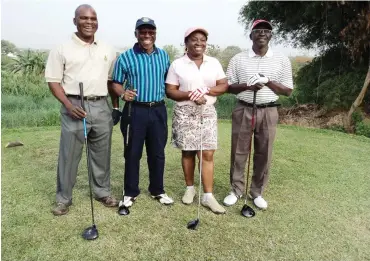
129,122
250,145
129,119
87,151
201,159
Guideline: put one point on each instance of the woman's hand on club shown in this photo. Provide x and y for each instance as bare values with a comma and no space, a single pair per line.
198,93
201,101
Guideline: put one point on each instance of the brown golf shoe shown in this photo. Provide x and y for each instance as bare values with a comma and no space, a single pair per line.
109,201
60,209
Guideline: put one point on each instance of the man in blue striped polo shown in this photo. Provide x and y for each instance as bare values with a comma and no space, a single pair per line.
269,74
144,117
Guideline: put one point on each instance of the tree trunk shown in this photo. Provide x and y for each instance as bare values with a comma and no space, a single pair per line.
348,121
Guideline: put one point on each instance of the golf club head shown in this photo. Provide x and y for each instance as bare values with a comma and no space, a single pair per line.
247,211
193,224
90,233
123,210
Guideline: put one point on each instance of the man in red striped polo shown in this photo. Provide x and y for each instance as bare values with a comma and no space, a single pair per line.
269,73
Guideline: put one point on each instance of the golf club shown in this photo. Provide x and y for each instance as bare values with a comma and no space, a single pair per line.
89,233
129,120
247,211
193,224
122,209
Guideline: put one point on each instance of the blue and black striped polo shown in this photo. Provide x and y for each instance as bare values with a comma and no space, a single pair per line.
144,72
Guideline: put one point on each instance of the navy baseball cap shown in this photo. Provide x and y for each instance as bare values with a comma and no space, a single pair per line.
145,21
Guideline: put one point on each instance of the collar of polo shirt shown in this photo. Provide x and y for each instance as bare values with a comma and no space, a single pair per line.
138,49
187,59
79,41
269,53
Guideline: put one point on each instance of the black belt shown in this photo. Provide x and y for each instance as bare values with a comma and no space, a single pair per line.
263,105
87,98
148,104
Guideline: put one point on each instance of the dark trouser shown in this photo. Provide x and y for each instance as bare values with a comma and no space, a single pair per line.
99,128
149,125
264,134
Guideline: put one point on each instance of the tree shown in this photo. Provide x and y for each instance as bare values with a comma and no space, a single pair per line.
213,50
356,37
29,62
343,25
228,53
8,47
172,51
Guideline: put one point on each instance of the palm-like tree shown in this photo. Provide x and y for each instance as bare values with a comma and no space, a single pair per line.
29,62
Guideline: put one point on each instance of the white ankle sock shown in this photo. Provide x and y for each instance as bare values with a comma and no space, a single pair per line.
190,187
207,195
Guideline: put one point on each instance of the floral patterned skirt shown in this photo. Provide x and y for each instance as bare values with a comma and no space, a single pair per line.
187,127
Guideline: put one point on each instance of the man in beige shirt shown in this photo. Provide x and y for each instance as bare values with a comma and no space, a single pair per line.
83,59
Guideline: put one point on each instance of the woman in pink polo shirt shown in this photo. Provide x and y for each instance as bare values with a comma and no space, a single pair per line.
194,81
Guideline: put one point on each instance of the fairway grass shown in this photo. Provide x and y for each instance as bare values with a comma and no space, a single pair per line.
318,195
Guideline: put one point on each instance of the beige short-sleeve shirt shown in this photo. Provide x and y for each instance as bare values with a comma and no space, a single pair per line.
77,61
185,73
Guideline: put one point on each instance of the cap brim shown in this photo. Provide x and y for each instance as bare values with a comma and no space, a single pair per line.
269,25
202,30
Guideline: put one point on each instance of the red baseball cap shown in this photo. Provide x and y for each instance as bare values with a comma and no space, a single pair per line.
260,21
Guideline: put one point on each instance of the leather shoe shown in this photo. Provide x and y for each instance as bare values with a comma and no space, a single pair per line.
60,209
109,201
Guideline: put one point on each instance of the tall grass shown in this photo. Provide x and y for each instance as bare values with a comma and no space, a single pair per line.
18,111
27,101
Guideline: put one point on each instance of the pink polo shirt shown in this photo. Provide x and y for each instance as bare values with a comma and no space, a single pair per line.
185,73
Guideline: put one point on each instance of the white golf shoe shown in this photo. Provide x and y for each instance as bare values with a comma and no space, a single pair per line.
260,202
231,199
127,201
163,199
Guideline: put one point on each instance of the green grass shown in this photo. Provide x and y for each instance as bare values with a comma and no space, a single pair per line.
319,205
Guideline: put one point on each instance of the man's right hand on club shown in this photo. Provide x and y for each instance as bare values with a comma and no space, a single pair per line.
129,95
256,87
76,112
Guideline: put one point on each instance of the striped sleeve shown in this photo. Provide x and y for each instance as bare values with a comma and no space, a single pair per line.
231,72
286,74
119,71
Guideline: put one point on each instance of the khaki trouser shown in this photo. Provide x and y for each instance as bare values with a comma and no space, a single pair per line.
264,134
99,132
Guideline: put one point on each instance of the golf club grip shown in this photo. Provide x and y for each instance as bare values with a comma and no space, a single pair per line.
82,95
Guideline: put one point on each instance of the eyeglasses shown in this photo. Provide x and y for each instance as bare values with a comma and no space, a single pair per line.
261,31
145,32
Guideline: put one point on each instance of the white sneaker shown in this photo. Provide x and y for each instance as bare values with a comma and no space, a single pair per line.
163,199
213,205
127,201
260,202
189,195
231,199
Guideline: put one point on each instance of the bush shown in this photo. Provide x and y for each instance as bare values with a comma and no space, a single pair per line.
331,80
363,128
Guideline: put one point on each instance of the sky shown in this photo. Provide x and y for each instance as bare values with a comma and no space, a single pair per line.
43,24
